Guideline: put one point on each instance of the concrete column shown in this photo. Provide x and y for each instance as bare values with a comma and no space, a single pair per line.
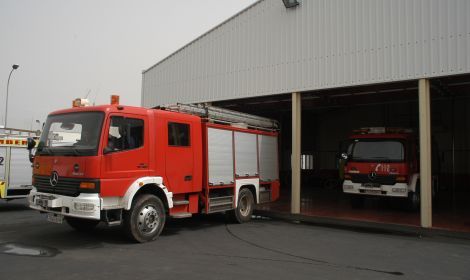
425,152
296,150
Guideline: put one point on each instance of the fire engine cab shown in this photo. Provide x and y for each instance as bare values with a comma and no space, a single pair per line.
135,166
382,162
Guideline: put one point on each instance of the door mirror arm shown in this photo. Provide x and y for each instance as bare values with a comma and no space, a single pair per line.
107,150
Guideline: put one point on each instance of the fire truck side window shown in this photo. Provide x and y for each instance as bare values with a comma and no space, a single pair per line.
178,134
125,134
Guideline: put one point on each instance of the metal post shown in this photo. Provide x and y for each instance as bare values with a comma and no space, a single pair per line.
13,68
7,171
296,150
425,152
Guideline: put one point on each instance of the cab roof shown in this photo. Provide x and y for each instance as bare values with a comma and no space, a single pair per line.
103,108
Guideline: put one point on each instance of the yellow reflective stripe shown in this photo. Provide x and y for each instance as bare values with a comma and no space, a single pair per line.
2,189
12,142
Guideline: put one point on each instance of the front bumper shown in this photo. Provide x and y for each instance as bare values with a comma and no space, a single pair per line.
86,205
396,190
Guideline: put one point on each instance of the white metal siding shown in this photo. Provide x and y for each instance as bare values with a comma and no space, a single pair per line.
20,168
246,160
268,158
220,154
268,49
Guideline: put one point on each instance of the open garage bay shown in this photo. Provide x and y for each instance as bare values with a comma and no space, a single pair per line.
329,117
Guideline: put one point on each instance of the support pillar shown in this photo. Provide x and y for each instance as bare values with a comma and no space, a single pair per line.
296,151
425,152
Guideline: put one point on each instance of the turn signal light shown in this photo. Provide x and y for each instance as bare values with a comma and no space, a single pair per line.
87,185
402,179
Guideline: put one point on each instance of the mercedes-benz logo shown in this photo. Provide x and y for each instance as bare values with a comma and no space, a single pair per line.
54,179
372,176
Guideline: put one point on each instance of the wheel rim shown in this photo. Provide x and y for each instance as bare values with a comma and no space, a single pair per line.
148,219
244,206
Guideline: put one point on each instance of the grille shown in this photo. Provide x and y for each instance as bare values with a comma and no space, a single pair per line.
379,179
65,186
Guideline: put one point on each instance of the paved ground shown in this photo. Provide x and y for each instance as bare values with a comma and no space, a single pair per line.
206,247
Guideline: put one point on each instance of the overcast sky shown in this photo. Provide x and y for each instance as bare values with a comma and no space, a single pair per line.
66,49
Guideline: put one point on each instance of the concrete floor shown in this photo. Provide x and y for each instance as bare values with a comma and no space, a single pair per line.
331,202
206,247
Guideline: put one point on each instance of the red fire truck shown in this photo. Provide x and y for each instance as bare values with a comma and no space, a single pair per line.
135,166
382,162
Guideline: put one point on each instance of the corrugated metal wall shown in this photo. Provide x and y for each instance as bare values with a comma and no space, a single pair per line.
268,49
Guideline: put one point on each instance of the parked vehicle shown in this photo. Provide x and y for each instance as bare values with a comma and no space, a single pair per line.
15,168
383,162
135,166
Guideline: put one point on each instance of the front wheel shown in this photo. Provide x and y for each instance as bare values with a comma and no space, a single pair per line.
81,224
245,206
145,220
414,200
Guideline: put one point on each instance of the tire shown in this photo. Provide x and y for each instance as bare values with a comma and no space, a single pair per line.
414,199
82,225
145,220
245,206
357,201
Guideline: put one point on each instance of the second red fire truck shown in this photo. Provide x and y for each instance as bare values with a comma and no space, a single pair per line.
383,162
135,166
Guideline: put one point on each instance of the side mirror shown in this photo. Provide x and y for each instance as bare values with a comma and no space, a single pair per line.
344,156
30,143
107,150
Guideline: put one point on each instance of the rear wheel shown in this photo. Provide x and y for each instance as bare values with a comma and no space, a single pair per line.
245,206
146,218
82,224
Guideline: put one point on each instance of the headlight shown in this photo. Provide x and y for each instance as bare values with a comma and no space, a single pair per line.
83,206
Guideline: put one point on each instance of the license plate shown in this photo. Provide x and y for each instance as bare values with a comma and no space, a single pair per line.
371,185
373,191
41,202
55,218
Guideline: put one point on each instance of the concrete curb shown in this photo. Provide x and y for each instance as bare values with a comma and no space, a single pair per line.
365,226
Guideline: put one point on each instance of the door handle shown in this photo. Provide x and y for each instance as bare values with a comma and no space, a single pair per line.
142,165
188,178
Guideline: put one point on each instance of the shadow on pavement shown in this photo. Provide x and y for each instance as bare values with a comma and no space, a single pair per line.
14,205
63,238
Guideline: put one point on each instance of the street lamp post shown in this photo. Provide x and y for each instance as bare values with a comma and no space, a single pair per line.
13,68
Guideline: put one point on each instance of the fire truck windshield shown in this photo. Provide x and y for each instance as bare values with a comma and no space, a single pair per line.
376,150
72,134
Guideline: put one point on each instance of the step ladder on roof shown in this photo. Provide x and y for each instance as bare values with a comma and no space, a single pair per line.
225,116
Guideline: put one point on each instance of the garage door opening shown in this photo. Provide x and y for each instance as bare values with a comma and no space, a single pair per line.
329,118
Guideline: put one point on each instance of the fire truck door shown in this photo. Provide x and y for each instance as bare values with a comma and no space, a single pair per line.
179,157
126,155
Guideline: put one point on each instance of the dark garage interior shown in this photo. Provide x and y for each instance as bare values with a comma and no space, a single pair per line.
330,116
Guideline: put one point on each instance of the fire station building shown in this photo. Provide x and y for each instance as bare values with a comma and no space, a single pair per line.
325,68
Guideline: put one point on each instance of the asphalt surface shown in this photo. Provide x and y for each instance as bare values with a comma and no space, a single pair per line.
207,247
